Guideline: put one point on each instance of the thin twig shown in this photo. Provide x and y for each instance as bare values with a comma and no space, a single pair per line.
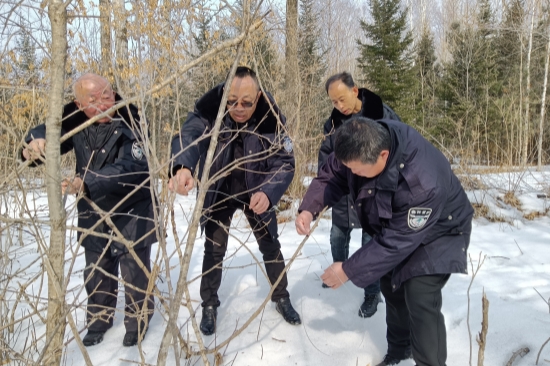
521,251
520,352
543,299
540,350
474,273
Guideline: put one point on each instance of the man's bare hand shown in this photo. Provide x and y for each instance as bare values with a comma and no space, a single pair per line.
303,222
36,148
259,203
182,183
334,275
75,186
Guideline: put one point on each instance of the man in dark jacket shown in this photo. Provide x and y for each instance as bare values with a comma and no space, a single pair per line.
254,164
110,164
348,100
411,203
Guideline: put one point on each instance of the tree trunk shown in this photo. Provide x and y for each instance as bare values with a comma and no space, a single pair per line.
121,47
55,327
526,127
543,104
292,94
291,52
105,39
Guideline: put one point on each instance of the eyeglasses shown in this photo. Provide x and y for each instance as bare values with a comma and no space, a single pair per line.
106,97
235,103
244,105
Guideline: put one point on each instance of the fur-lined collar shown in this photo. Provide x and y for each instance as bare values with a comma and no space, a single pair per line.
263,120
73,117
371,107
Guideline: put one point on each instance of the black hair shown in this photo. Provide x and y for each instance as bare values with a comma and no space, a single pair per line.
361,139
244,71
344,77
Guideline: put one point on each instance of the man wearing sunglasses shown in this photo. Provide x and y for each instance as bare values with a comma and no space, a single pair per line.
254,165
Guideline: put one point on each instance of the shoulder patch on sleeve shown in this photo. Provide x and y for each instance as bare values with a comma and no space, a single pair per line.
418,216
137,150
287,144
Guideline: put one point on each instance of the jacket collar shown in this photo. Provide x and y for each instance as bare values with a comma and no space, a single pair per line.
73,117
388,179
263,120
371,107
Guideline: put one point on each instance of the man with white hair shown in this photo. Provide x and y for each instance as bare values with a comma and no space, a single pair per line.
110,164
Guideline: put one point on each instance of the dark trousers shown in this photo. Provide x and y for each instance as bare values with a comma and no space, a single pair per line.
216,246
102,290
414,319
339,246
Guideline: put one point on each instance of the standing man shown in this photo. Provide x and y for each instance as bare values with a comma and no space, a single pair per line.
110,163
348,101
411,203
255,162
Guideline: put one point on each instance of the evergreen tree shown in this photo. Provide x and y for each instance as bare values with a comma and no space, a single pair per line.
509,42
427,74
488,85
260,50
386,57
208,32
310,56
26,70
471,86
314,107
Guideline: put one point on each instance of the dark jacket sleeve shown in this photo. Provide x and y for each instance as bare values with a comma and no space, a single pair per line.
39,132
328,188
123,175
280,170
390,113
191,143
396,242
327,145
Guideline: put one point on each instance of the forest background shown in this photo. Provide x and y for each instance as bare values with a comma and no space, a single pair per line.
470,75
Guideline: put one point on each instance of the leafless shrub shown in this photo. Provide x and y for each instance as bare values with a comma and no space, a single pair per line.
474,274
511,199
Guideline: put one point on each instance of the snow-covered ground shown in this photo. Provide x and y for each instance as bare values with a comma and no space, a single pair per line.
515,276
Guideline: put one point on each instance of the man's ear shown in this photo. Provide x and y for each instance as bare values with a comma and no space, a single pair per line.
384,154
77,103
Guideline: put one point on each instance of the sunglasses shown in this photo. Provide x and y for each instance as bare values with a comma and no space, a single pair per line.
245,105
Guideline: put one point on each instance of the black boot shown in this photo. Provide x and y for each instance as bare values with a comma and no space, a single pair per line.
208,321
92,338
390,360
369,306
131,338
284,307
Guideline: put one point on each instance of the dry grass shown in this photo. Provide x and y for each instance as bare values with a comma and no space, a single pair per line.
480,210
536,214
284,218
511,200
471,182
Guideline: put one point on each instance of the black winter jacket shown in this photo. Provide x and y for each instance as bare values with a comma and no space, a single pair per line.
343,213
111,162
416,211
268,158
